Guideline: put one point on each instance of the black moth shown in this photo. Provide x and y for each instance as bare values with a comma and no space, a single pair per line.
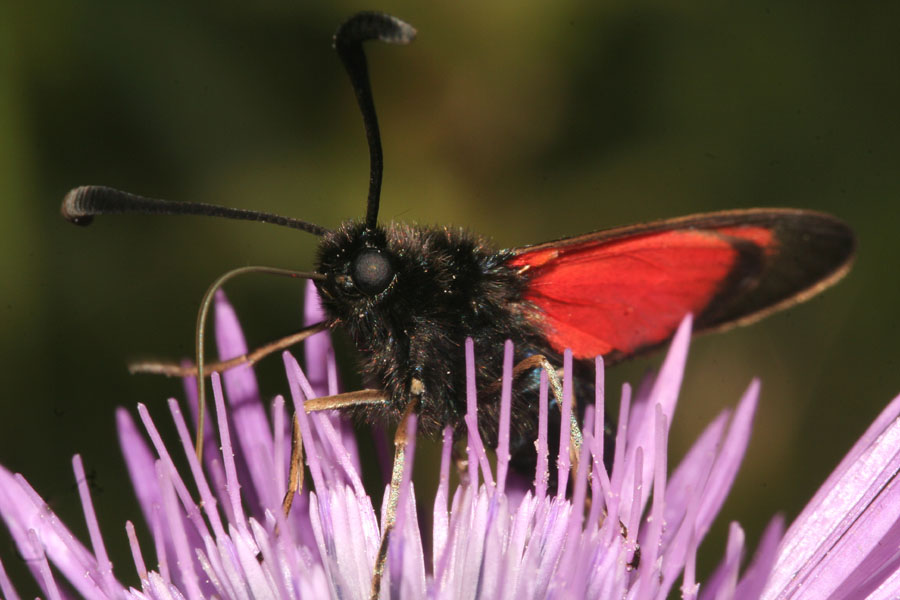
409,296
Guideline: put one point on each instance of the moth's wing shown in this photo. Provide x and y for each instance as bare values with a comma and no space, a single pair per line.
621,291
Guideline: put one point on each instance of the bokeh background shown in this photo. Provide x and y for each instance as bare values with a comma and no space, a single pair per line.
524,121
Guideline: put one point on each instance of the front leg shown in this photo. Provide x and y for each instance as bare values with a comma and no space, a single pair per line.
338,401
390,516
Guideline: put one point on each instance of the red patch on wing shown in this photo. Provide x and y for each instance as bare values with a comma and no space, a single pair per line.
761,236
620,295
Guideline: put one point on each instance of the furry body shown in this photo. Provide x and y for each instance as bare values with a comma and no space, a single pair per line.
448,284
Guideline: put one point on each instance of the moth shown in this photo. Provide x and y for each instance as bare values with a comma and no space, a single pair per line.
409,296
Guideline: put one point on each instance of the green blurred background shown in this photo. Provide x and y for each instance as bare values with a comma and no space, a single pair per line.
524,121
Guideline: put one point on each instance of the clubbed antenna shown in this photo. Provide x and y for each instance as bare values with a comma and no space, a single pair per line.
82,204
348,41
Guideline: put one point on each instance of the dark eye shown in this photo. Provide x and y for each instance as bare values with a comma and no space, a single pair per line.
372,271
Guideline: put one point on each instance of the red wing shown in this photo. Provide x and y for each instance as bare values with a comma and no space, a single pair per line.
617,292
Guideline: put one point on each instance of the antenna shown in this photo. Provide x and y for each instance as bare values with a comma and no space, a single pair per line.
348,41
82,204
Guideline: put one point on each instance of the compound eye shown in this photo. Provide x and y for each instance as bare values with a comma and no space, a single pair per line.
372,272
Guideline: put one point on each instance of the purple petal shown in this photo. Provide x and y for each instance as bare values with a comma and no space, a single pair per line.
651,536
280,451
635,509
889,588
619,466
689,586
6,586
338,452
683,498
39,534
541,473
756,575
140,463
189,384
505,407
183,550
848,518
690,476
322,369
723,581
728,461
441,518
310,448
209,501
641,428
45,577
136,554
192,513
316,348
231,478
599,406
248,415
104,566
477,455
565,426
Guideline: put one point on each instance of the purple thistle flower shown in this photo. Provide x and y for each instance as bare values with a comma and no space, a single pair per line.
218,529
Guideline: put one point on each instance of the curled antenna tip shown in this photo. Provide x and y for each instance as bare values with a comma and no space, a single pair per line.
366,25
72,208
83,203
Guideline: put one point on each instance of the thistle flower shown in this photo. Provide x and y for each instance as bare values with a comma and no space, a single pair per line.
633,531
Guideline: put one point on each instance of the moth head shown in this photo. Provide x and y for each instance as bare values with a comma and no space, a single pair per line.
360,268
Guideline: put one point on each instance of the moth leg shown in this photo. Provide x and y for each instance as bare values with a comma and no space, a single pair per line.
576,439
390,517
338,401
176,370
295,473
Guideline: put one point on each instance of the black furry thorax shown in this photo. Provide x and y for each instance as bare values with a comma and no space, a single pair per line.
442,285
